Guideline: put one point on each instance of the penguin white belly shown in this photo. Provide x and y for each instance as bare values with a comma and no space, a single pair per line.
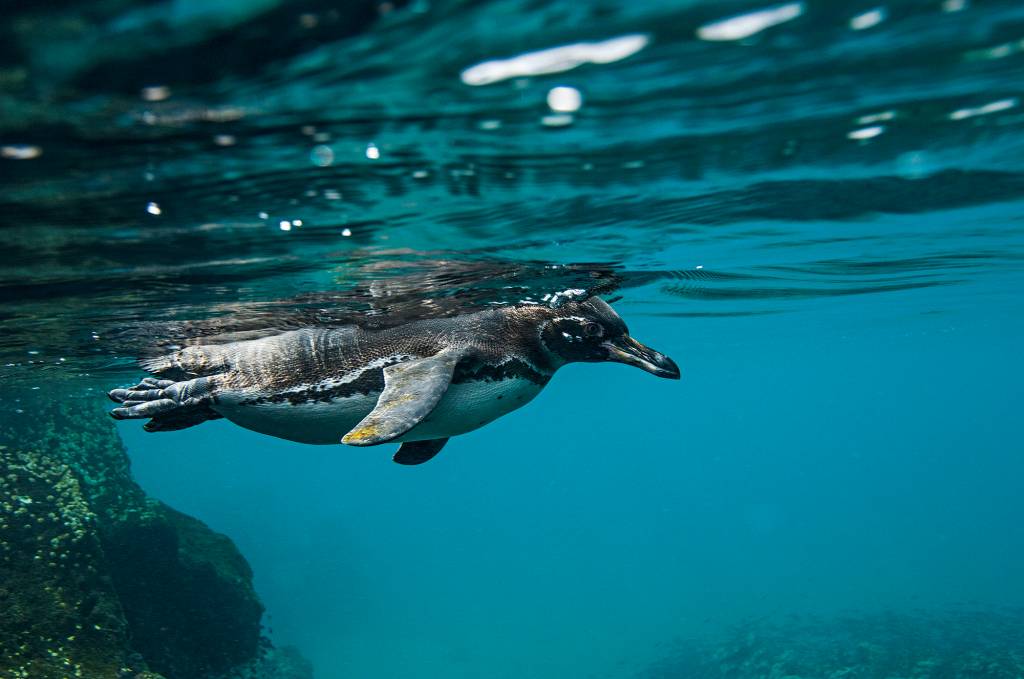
464,407
471,405
319,422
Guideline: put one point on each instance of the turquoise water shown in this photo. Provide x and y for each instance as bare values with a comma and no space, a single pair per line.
584,534
819,220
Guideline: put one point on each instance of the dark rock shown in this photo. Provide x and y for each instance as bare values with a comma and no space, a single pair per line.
187,594
274,663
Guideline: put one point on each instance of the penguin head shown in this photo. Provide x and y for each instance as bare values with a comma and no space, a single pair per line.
591,331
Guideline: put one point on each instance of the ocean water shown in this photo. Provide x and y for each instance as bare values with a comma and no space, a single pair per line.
816,208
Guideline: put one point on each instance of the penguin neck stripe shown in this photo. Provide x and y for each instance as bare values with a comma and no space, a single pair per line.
513,368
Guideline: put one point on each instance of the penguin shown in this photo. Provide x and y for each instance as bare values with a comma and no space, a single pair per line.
417,384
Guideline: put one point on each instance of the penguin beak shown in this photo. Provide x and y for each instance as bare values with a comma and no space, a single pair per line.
627,350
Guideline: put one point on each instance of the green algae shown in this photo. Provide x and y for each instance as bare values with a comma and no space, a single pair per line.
62,616
98,580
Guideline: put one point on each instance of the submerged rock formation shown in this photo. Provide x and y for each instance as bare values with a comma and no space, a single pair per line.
944,644
99,581
61,613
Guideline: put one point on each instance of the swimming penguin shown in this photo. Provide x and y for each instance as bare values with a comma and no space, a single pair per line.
418,384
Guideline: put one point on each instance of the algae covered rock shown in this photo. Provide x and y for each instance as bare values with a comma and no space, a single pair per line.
98,580
61,614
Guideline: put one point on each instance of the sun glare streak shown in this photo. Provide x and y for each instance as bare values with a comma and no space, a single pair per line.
746,25
555,59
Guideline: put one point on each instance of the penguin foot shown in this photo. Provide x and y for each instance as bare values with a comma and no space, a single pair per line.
152,397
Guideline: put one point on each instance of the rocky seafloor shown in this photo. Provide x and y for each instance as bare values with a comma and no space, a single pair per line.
946,644
99,581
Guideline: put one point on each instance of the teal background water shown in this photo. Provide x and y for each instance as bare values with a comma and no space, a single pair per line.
867,463
821,225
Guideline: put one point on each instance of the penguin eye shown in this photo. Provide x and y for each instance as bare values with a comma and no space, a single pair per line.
592,330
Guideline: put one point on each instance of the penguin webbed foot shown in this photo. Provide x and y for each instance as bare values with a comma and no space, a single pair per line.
143,391
418,452
152,397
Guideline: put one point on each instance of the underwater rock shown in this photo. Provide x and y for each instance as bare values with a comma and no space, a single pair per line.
97,578
61,614
948,644
186,592
274,663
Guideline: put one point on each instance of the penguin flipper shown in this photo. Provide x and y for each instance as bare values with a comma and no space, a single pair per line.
418,452
411,390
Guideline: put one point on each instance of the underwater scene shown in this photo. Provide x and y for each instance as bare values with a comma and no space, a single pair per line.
285,286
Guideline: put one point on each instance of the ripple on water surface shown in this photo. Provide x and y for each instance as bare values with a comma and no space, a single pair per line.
701,159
